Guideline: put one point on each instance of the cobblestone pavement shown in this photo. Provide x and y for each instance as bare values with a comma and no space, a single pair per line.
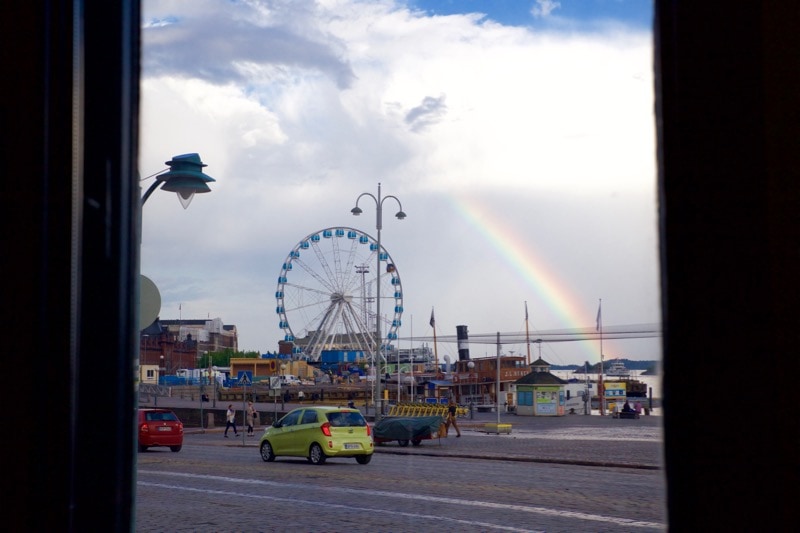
590,440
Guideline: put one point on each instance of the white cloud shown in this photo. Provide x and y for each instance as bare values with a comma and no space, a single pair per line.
543,8
297,110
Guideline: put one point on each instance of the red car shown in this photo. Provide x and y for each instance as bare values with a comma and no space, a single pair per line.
159,427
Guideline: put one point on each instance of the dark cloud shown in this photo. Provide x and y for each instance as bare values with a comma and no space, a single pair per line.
228,45
430,111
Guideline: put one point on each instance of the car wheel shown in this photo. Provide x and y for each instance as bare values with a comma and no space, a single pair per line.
363,459
416,442
175,448
315,455
142,448
266,452
403,443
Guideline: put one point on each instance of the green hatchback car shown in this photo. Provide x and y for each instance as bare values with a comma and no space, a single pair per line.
317,433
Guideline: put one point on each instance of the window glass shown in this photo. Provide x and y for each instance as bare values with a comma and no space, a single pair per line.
158,416
309,417
525,398
347,419
290,419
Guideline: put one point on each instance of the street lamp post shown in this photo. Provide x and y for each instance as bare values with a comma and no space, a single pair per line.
185,177
283,373
371,387
202,389
378,339
470,366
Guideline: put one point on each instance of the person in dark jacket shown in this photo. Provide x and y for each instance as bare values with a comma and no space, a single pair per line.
451,417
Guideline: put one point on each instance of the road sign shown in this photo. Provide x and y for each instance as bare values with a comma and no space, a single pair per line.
245,378
275,382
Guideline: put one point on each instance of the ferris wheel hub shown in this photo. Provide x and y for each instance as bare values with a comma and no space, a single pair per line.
338,297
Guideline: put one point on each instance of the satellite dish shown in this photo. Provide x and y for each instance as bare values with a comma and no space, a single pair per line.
149,302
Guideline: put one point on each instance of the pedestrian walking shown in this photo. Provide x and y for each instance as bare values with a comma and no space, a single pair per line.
452,409
230,421
250,415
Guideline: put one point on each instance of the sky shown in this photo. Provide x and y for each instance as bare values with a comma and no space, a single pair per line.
519,137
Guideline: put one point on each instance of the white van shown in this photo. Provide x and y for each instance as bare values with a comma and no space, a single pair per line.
289,379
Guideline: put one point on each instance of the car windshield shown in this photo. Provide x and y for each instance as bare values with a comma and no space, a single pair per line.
154,417
346,419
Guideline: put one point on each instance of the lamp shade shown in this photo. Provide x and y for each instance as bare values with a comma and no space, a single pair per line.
185,177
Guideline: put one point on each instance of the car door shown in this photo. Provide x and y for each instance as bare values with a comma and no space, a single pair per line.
307,431
281,437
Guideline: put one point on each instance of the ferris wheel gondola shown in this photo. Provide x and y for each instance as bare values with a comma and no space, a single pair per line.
325,298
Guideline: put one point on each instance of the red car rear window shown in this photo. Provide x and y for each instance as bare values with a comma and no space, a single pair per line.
160,416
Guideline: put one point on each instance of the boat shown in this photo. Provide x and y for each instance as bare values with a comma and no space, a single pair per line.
617,368
577,397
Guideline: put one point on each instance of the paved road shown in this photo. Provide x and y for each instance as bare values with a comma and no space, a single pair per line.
229,488
573,439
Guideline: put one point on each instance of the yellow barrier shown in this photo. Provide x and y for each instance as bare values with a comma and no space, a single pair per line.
416,409
424,409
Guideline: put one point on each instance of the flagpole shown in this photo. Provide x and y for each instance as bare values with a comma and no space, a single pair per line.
398,372
412,388
435,351
527,336
600,390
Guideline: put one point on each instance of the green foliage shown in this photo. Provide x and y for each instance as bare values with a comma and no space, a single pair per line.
223,357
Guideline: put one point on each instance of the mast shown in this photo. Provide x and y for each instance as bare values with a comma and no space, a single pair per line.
600,390
412,389
587,397
528,337
435,352
497,385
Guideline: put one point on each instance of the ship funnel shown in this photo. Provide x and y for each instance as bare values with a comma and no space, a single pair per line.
463,343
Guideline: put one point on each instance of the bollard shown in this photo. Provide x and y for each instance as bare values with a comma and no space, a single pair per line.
210,420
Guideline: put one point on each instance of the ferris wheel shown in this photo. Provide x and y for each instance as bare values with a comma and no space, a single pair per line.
327,290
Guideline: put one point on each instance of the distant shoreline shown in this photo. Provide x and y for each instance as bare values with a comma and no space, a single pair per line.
648,368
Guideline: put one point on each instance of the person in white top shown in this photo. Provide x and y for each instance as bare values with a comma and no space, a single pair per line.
230,421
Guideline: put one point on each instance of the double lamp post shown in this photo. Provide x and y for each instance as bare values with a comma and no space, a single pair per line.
378,339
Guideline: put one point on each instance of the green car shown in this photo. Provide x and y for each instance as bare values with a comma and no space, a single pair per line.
318,433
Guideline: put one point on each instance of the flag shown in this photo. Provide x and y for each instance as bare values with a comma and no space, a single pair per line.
433,321
599,315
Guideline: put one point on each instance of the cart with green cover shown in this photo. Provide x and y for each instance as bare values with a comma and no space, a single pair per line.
413,429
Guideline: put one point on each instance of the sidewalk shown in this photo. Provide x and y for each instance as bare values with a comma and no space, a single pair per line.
573,439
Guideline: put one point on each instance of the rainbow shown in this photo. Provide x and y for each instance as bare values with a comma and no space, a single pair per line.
533,269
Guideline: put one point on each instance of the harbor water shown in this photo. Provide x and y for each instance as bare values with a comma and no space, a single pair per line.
653,383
